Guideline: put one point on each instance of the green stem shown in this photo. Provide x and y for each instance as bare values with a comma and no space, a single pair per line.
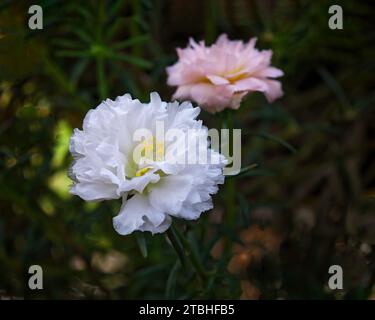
134,28
230,202
211,9
194,258
100,61
177,239
177,245
230,185
102,84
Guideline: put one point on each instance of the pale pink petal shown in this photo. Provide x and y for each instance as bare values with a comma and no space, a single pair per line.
250,84
182,92
217,80
274,90
270,72
222,39
221,75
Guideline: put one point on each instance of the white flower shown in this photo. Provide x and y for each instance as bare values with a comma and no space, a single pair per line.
156,186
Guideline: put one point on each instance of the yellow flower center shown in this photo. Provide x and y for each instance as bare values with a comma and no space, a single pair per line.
153,149
142,171
149,150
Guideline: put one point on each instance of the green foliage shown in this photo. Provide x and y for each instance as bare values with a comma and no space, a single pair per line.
314,150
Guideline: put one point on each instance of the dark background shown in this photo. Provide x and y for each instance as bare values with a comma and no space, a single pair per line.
309,204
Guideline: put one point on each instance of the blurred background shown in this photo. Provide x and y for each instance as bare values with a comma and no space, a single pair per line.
309,204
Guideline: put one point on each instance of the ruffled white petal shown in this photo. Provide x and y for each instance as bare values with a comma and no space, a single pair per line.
152,193
138,214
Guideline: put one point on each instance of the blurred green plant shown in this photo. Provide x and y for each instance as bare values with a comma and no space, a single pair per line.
312,189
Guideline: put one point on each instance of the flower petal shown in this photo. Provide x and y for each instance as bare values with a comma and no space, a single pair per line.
270,72
217,80
95,191
274,90
170,193
138,214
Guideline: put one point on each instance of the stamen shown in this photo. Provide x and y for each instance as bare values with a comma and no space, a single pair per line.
142,171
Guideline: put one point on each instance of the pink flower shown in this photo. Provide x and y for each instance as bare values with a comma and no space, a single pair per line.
219,76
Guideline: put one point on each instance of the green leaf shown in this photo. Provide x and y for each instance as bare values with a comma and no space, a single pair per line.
245,210
141,241
130,42
258,173
115,8
177,244
118,24
78,70
170,291
334,85
80,33
244,170
73,53
83,12
139,62
72,44
282,142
